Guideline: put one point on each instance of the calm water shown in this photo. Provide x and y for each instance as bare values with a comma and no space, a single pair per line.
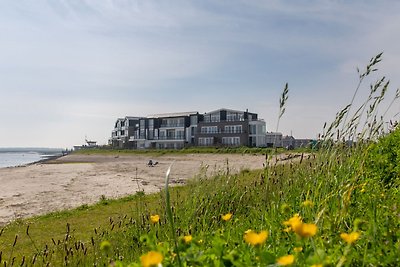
10,157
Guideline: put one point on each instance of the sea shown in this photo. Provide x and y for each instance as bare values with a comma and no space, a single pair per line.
13,157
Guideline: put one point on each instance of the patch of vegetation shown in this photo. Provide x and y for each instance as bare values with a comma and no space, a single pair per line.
334,207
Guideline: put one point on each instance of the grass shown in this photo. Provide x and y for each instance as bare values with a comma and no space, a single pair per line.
340,197
190,150
338,206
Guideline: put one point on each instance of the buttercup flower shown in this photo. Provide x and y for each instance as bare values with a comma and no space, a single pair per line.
307,230
294,222
300,228
254,239
187,239
226,217
154,218
285,260
298,249
350,238
151,259
307,203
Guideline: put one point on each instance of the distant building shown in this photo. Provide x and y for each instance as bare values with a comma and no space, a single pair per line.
273,139
276,139
89,144
289,142
223,127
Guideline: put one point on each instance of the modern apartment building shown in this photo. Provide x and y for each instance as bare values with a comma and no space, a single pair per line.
226,127
173,130
124,128
223,127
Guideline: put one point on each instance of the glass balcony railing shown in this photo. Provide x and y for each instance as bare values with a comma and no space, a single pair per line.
171,125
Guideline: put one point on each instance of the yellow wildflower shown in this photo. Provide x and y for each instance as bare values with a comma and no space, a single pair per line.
154,218
151,259
307,203
254,239
307,230
300,228
187,239
294,222
350,238
226,217
298,249
287,229
285,260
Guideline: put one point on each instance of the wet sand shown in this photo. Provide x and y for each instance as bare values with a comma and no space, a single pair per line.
76,179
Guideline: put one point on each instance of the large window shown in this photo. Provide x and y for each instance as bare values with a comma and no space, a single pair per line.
173,122
180,134
209,129
193,120
231,141
234,116
215,117
233,129
206,141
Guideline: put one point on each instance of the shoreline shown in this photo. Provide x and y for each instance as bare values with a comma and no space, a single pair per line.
68,181
40,161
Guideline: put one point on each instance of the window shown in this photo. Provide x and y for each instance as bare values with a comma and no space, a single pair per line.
231,116
209,129
193,120
151,134
215,117
231,141
206,141
253,129
162,134
180,134
173,122
233,129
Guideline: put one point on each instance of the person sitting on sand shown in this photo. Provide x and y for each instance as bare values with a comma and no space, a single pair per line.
151,163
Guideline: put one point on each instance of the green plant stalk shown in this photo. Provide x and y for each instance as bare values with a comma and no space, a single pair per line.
169,213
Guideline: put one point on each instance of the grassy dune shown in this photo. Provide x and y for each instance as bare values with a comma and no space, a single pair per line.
338,206
335,191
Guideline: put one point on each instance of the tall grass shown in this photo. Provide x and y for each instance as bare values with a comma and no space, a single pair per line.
347,214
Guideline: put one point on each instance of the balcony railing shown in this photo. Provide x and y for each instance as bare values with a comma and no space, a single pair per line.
223,132
170,138
171,125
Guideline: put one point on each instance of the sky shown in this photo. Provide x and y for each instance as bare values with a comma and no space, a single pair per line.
69,69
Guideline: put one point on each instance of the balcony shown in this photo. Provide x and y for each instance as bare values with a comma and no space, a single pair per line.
223,132
170,138
172,125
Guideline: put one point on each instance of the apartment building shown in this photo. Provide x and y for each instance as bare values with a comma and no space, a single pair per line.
124,128
172,130
226,127
223,127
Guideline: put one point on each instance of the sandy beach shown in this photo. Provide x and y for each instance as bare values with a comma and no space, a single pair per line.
77,179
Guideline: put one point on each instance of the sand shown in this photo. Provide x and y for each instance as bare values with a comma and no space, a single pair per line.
76,179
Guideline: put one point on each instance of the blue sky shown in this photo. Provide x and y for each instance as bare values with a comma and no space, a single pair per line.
69,69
